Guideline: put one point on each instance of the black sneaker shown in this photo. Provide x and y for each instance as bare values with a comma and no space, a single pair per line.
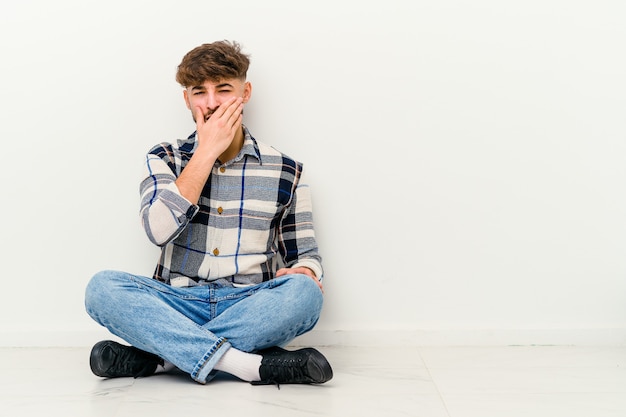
109,359
304,366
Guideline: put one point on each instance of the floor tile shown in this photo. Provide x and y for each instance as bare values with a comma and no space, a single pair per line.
529,380
537,405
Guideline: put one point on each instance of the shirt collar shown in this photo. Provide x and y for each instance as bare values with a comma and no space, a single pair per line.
250,147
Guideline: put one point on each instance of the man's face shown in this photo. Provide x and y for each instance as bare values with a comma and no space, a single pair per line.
211,94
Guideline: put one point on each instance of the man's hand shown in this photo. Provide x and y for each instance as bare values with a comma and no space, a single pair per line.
300,270
217,130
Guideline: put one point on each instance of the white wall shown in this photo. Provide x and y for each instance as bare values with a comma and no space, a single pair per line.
466,157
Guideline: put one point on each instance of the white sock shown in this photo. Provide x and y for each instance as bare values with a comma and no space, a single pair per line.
243,365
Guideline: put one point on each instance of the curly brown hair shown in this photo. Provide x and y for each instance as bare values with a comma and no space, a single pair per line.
215,61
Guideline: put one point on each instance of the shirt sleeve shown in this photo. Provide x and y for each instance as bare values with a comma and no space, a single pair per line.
164,211
297,235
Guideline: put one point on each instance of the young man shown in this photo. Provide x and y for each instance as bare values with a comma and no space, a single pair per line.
239,273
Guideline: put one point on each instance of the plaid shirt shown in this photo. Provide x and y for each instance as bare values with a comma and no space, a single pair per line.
252,209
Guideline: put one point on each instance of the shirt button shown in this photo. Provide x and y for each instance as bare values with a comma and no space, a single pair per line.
220,210
222,169
216,251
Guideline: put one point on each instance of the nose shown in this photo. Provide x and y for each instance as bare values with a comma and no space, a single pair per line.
211,102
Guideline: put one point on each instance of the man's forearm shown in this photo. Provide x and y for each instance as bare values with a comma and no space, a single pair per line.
192,179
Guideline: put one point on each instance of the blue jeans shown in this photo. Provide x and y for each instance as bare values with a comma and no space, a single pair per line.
193,327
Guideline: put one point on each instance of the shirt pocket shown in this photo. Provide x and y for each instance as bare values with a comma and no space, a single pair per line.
258,231
260,215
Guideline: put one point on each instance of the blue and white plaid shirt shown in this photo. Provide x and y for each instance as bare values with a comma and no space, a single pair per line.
252,208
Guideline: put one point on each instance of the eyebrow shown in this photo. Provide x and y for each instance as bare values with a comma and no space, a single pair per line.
201,87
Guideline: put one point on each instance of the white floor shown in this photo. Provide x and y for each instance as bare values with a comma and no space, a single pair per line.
412,381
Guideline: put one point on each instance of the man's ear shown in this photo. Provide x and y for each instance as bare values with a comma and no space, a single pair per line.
186,97
247,92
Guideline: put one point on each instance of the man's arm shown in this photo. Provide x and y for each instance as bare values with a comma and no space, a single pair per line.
297,237
214,136
169,202
164,212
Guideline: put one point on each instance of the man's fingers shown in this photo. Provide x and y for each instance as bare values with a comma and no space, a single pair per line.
226,108
233,110
225,115
199,116
235,117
